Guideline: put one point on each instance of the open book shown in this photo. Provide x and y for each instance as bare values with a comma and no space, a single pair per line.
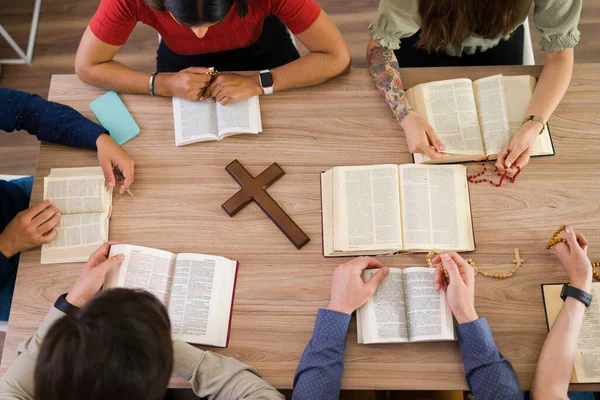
197,121
405,308
84,202
587,359
380,209
197,289
476,119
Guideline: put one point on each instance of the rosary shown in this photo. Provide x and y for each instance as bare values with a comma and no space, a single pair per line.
475,178
518,261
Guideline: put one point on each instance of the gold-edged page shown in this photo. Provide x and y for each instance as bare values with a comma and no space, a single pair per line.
436,211
366,210
382,319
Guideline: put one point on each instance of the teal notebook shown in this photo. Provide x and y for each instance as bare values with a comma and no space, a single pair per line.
114,116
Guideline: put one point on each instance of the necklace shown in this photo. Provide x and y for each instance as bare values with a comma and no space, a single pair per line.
475,178
518,261
554,239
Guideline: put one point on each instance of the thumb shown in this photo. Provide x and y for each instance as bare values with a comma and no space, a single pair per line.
452,268
512,157
107,169
435,140
111,262
571,238
376,279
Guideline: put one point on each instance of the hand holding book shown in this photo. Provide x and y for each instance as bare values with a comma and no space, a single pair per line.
460,292
421,137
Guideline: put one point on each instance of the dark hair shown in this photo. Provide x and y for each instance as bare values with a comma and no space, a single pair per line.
198,12
118,347
448,22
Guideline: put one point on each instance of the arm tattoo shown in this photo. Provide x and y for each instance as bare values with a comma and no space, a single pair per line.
386,73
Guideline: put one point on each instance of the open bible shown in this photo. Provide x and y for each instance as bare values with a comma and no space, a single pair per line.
586,368
405,308
476,119
197,289
84,202
197,121
380,209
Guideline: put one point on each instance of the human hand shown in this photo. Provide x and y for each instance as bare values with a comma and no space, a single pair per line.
228,87
421,137
111,155
92,276
30,228
574,259
518,151
460,292
189,84
348,290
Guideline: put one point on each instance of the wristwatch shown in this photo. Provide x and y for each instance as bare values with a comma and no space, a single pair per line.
63,305
266,81
570,291
535,118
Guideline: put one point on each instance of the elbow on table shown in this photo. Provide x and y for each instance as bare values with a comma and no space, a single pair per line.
82,70
343,61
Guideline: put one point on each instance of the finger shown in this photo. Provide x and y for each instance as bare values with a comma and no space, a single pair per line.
561,249
464,268
363,263
48,225
49,236
44,216
435,140
437,259
376,279
107,169
582,241
104,250
501,159
109,263
452,269
432,153
32,212
221,96
216,91
197,70
571,238
127,172
209,89
226,100
438,278
200,80
513,155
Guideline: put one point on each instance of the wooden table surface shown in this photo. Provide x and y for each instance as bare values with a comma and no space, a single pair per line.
177,207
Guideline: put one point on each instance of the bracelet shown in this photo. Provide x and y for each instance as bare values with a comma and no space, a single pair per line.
63,305
151,83
535,118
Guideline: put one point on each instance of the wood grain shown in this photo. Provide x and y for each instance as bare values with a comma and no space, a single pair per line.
177,207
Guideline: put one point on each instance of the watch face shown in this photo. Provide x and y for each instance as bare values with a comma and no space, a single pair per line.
266,79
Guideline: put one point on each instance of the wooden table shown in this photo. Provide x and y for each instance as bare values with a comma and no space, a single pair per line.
177,207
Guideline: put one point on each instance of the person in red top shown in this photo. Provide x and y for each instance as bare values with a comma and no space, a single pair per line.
199,36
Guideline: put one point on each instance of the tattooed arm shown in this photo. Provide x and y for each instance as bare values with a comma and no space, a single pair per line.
420,135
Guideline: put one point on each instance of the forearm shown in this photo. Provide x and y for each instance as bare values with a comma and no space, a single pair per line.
309,70
553,83
555,363
386,74
113,75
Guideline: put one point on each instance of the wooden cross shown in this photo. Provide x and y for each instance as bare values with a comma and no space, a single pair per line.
255,189
518,260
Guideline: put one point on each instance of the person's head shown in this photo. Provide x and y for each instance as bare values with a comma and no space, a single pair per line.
117,347
448,22
199,15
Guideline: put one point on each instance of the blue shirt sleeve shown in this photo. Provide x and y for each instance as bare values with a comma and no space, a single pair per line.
50,122
320,371
489,374
7,265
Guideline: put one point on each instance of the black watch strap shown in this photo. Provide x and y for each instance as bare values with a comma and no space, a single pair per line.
570,291
63,305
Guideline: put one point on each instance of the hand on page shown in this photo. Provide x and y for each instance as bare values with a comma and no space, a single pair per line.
518,151
348,290
574,259
92,276
460,292
30,228
421,137
229,87
111,155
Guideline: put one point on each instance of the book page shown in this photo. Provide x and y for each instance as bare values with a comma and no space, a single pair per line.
451,110
80,230
587,359
436,211
238,117
366,208
143,268
195,121
383,316
429,315
493,114
75,195
201,298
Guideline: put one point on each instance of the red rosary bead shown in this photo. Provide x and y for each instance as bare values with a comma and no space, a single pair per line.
473,178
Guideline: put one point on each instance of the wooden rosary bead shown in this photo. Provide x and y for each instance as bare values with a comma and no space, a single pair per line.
554,240
517,260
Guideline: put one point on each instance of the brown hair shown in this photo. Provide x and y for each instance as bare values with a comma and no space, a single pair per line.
196,12
118,347
449,22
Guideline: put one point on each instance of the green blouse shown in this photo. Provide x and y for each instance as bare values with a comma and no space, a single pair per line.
555,20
